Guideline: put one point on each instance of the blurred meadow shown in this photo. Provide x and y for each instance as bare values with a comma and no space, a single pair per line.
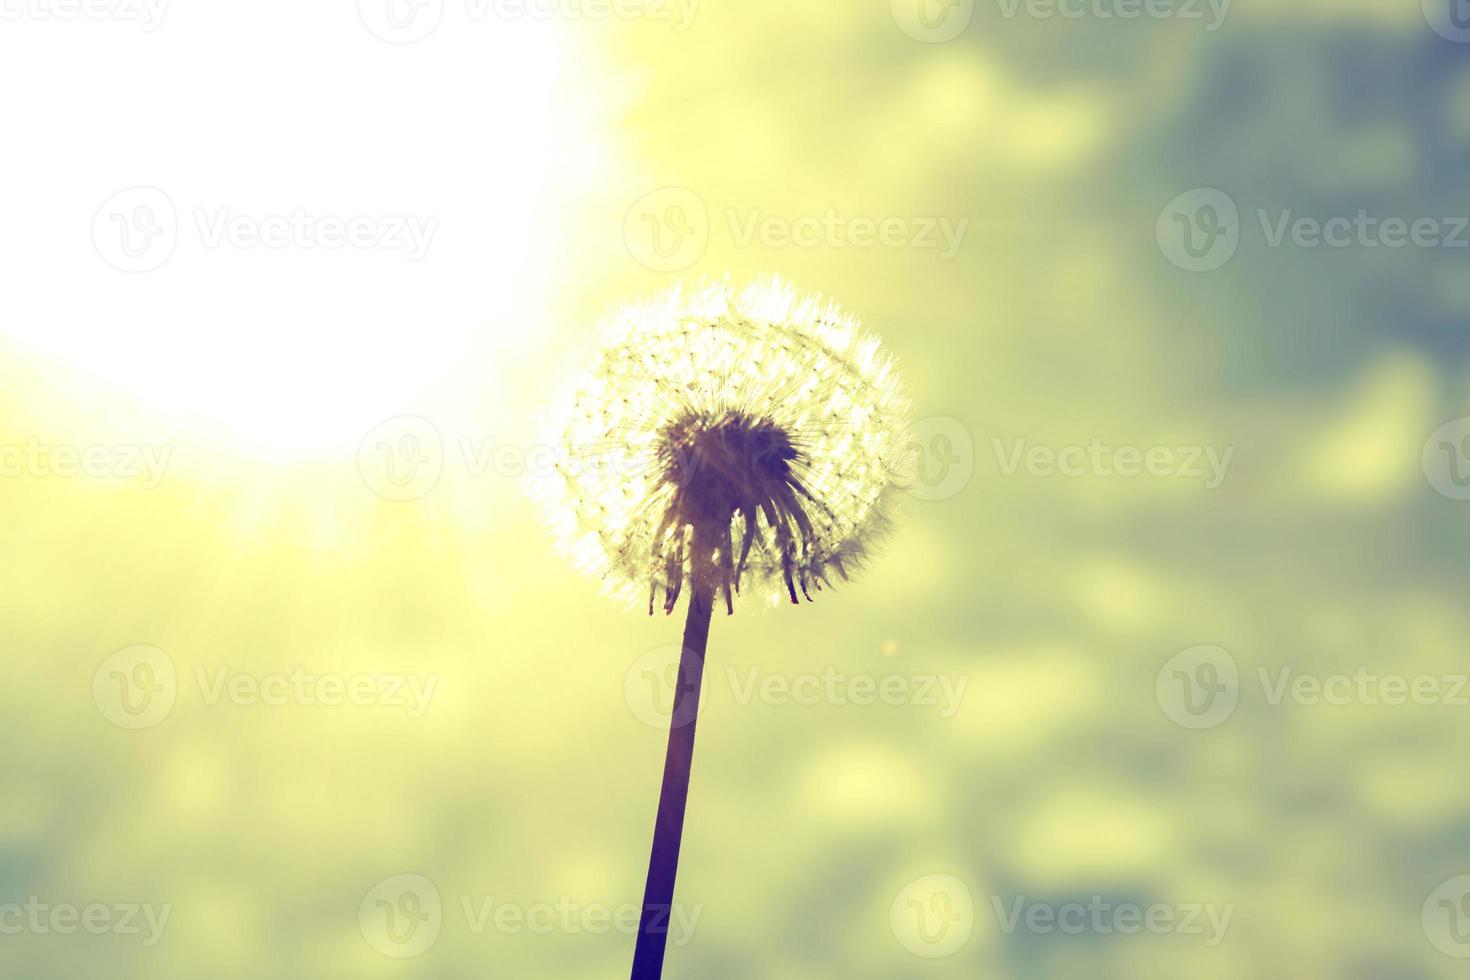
1161,675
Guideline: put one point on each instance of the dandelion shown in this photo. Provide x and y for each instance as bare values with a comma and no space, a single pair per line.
723,443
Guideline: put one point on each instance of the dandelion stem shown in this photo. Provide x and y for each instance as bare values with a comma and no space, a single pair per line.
668,828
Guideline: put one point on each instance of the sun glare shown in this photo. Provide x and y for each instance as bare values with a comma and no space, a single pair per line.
266,282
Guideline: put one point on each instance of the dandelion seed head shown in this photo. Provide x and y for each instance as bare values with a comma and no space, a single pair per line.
751,439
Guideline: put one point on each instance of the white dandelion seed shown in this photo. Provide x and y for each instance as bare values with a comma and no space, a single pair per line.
755,438
727,439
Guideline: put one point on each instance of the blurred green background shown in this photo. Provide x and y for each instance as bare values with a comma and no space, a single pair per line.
1064,608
